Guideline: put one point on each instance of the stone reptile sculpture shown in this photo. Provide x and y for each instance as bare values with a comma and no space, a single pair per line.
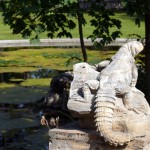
121,111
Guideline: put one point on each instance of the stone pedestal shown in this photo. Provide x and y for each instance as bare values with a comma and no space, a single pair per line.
72,137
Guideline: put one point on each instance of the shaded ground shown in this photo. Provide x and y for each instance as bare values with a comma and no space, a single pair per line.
19,123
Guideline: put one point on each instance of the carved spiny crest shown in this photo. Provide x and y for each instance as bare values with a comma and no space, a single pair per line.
103,109
104,98
104,114
105,104
103,119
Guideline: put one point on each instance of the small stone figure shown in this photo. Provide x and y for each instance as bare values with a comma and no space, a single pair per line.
57,96
90,85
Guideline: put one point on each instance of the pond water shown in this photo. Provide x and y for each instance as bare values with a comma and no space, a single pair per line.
39,73
23,136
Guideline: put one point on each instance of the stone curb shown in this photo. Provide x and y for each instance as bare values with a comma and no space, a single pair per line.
75,42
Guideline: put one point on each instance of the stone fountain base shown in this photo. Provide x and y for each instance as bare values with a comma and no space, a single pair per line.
73,137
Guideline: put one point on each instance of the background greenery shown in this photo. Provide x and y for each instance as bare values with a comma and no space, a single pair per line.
128,27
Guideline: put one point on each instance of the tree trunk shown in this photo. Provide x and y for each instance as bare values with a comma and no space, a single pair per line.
81,37
147,52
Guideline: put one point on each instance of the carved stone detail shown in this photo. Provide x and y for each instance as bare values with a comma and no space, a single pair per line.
108,89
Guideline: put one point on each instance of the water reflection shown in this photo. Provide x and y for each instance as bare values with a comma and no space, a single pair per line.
40,73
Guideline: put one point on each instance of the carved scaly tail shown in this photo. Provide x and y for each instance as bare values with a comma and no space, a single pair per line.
104,108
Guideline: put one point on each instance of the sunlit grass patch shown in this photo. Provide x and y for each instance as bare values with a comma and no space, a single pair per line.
16,69
46,57
37,82
6,85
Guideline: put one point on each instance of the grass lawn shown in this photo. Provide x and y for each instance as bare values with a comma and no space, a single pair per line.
128,27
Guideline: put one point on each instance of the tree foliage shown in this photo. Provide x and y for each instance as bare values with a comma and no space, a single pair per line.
32,17
138,8
141,8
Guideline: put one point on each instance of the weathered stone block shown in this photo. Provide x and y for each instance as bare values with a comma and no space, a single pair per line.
72,137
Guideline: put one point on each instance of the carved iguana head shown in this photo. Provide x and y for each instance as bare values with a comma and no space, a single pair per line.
129,50
134,47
